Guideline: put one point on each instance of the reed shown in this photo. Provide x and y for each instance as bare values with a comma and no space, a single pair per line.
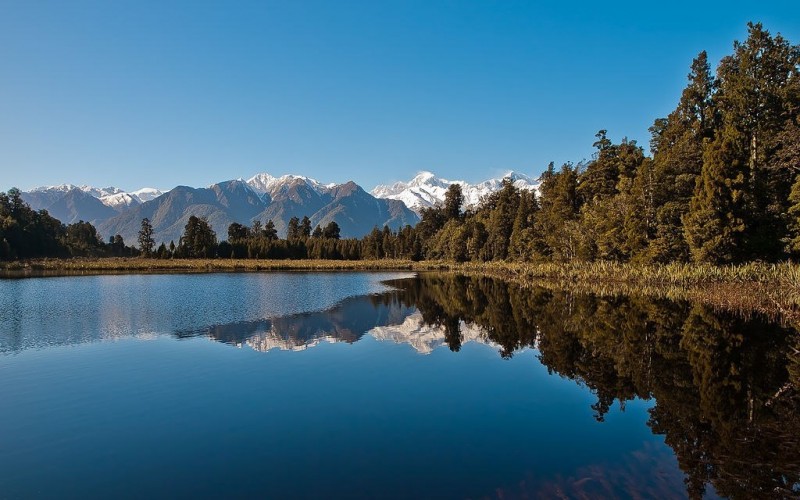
767,288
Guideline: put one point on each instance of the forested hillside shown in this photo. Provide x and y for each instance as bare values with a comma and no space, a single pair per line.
721,185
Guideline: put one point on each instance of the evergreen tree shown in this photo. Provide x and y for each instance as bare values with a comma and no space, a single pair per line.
556,232
715,224
293,229
453,200
25,233
256,230
793,238
146,242
331,231
198,239
81,238
270,233
238,233
599,180
755,98
502,206
305,227
521,244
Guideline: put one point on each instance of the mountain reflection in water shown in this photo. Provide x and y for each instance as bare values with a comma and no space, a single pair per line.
725,388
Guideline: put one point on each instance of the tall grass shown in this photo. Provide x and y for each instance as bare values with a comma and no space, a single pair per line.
769,288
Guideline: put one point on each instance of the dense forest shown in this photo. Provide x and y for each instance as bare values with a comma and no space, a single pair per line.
26,233
721,186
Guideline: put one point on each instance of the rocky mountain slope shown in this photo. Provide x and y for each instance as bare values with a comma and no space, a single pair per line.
262,197
426,190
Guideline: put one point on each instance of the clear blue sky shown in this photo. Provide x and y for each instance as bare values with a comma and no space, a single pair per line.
139,93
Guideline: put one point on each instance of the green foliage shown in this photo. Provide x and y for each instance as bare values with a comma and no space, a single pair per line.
499,211
146,242
722,187
521,242
25,233
198,239
293,229
555,228
331,231
305,227
715,224
453,200
269,232
793,243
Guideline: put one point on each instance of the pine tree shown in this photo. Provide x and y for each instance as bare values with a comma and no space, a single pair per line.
554,231
198,239
677,144
793,239
715,224
146,242
293,229
787,158
331,231
752,98
502,207
305,227
270,233
521,242
453,199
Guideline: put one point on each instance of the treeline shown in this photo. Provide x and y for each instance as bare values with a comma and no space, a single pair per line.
259,241
721,186
26,233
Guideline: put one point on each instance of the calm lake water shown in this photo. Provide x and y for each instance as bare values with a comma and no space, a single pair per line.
386,385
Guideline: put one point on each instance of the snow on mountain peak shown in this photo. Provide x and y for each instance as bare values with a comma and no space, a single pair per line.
146,194
266,183
110,196
427,190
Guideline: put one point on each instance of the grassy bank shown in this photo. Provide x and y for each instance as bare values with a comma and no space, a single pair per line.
768,288
140,265
772,289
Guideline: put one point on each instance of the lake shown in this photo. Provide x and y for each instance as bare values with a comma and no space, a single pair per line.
386,385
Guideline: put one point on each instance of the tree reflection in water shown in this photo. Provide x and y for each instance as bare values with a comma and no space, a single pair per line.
726,388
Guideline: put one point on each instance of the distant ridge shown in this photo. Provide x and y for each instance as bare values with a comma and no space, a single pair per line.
426,190
261,197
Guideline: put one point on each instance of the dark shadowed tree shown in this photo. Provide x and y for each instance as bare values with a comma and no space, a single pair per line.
198,239
146,241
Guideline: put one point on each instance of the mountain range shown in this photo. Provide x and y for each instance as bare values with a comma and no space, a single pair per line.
426,190
263,197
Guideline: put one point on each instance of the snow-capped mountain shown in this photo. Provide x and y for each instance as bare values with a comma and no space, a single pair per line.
63,188
262,198
45,196
120,201
426,190
146,194
266,183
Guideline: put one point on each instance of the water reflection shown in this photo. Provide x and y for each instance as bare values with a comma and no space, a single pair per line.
725,389
347,321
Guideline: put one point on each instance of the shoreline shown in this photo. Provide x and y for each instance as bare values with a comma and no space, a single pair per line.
772,289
